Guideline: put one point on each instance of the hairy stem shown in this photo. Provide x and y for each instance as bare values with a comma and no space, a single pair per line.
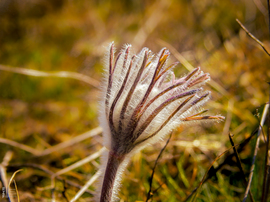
113,164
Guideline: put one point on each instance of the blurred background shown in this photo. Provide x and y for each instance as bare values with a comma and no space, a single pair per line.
66,35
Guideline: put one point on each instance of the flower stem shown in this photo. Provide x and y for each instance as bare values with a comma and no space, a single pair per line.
113,164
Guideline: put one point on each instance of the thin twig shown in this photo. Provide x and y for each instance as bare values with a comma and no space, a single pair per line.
59,74
154,191
255,152
240,148
205,175
240,165
253,37
149,194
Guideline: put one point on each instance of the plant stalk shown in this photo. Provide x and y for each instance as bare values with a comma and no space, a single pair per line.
114,161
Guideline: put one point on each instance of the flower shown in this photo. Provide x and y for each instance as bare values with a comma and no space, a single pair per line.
142,102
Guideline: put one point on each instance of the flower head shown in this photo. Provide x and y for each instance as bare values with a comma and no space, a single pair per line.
143,101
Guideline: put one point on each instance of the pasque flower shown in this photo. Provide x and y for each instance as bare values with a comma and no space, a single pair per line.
142,102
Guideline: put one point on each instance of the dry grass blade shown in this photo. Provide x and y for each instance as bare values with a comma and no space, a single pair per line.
81,162
60,74
17,193
49,172
85,187
151,23
3,175
150,194
10,181
79,138
260,6
20,146
255,151
253,37
3,165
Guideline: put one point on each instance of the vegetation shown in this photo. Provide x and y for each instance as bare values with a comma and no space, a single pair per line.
43,112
